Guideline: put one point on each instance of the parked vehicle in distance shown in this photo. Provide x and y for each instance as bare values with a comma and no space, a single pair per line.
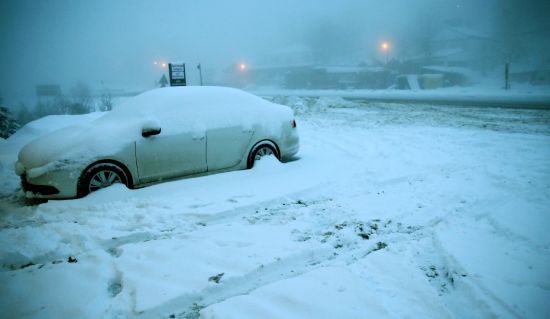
160,134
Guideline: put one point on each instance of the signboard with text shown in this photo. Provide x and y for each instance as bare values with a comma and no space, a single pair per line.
177,74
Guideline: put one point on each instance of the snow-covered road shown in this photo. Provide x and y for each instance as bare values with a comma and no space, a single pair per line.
389,211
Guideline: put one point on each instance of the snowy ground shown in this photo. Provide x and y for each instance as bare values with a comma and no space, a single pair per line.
389,211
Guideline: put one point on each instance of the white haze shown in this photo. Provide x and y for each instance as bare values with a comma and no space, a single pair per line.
114,43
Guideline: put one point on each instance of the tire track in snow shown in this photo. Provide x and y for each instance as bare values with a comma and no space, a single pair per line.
188,306
473,294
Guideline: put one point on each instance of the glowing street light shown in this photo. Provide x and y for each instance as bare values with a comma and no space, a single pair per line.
242,67
161,64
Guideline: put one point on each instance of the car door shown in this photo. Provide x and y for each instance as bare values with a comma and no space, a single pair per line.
226,147
165,156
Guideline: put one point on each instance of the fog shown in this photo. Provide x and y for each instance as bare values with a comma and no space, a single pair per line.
115,44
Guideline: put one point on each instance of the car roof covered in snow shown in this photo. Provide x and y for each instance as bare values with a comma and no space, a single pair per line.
192,99
199,107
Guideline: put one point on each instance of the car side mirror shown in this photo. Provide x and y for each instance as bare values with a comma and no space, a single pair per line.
150,129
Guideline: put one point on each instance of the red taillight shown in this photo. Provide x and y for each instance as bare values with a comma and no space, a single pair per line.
293,123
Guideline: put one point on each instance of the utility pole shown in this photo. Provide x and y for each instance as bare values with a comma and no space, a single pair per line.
385,46
200,72
507,76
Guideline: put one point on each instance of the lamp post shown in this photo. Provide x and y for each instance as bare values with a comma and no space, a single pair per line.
385,46
200,72
507,76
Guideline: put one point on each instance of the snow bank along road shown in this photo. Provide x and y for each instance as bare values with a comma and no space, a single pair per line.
390,211
525,98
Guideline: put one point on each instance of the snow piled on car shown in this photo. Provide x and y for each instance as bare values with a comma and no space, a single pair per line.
43,126
10,147
176,109
202,108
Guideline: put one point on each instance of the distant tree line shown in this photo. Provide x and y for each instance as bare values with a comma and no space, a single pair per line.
79,101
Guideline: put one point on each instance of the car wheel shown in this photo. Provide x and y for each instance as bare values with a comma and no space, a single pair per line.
100,176
260,151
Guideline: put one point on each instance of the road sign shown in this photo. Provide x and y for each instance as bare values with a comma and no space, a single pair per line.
177,74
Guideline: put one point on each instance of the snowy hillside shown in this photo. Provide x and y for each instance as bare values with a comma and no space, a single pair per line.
388,211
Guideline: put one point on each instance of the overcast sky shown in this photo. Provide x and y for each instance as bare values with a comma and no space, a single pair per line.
114,43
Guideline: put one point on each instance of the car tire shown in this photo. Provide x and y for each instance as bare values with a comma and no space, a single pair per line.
261,150
100,176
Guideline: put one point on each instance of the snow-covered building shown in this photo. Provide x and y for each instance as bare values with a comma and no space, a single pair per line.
450,56
339,77
294,67
533,74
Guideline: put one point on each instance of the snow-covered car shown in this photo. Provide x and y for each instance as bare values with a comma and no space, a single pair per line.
161,134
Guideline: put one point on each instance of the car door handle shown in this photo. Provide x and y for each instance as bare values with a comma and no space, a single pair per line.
198,138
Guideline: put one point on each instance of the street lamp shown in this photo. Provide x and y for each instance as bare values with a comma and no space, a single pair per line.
200,72
161,64
242,67
385,46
